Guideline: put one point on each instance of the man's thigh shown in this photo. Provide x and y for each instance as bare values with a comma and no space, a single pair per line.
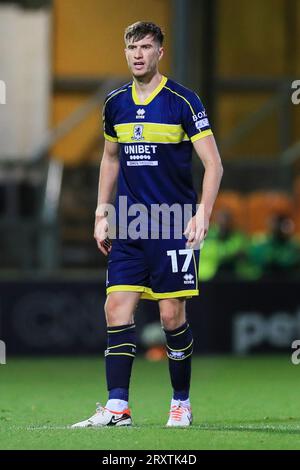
120,307
127,267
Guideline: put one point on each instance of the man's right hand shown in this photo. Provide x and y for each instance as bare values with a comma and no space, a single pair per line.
101,235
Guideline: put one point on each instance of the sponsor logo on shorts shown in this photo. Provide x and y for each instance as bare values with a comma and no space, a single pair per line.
188,279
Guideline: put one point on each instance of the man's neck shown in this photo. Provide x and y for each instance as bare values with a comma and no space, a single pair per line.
144,86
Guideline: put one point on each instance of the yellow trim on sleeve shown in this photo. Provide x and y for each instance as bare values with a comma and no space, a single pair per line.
201,135
148,293
150,97
109,138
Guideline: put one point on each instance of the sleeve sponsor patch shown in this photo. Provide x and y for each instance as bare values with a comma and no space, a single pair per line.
202,124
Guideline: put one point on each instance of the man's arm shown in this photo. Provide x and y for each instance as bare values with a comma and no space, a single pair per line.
109,170
207,151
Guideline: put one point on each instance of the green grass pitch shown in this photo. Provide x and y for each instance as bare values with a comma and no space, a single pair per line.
238,403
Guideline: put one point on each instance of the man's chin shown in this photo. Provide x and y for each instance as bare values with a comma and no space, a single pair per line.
139,73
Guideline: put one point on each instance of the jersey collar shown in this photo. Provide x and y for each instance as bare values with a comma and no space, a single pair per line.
150,97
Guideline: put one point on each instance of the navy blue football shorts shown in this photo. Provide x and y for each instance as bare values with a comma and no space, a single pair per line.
159,269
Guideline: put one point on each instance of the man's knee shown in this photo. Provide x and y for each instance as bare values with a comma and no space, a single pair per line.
111,309
119,308
172,313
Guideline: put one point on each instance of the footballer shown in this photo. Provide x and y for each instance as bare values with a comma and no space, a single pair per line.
151,127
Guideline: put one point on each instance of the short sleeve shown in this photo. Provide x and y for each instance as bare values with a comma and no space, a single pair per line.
195,120
108,128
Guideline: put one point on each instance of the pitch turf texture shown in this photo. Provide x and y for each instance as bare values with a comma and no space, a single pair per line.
238,403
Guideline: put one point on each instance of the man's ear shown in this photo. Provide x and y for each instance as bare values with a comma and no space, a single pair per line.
161,52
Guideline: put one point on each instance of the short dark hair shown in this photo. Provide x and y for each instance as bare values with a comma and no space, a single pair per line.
141,29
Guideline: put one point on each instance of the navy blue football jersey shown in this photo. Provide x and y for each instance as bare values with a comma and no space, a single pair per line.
155,139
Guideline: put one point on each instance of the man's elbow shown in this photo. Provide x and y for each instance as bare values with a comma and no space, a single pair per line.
219,170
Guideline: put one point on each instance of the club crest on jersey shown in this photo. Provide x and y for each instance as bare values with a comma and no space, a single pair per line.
138,132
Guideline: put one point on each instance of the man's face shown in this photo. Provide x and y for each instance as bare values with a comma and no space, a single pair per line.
143,56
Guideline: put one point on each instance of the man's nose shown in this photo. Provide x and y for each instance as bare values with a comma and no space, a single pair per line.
138,53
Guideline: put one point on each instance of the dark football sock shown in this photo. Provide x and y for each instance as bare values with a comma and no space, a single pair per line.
179,351
119,356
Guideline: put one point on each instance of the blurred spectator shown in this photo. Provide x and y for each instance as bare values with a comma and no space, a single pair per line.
277,254
154,341
225,248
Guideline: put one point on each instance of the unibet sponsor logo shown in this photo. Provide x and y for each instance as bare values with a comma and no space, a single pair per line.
142,153
140,157
140,149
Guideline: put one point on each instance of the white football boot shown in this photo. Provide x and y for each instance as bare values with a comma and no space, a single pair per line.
180,416
105,417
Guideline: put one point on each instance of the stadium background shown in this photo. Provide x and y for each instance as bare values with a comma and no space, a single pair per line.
58,60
